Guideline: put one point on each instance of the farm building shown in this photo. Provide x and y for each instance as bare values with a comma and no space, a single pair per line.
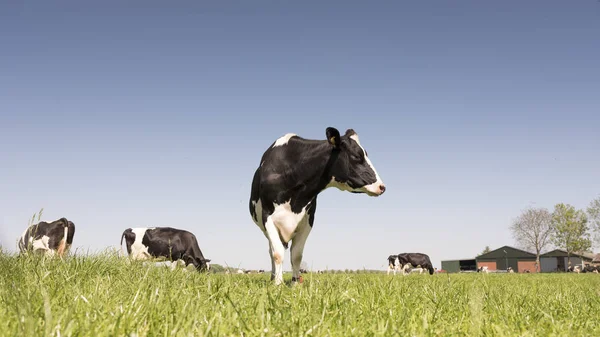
507,256
556,260
455,266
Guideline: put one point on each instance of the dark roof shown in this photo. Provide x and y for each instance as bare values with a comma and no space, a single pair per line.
563,253
511,252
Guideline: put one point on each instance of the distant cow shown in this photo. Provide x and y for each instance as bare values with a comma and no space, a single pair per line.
483,269
393,263
415,260
171,243
49,238
292,173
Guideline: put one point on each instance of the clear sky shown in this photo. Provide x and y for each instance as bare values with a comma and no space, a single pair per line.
143,113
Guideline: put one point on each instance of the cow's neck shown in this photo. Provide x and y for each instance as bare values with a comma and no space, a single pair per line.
316,171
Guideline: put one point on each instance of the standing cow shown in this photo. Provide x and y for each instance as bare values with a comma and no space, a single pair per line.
171,243
415,259
48,238
292,172
392,263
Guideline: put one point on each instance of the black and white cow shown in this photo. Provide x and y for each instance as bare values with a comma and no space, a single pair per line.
48,238
171,243
409,260
393,263
292,172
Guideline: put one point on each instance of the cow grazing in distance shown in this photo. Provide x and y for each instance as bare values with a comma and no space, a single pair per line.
49,238
415,260
171,243
393,263
292,172
483,269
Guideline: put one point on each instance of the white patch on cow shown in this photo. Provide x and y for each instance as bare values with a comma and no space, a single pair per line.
374,187
338,185
285,220
405,269
298,242
277,250
284,139
62,244
284,224
138,250
258,212
41,245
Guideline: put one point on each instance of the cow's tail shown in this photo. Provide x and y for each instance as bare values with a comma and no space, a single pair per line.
62,245
122,237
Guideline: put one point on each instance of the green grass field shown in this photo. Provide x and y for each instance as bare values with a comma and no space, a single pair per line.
106,296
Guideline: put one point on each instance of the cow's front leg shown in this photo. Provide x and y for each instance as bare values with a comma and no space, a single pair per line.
297,248
277,250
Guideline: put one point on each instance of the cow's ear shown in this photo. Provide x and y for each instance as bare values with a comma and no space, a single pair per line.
206,260
333,137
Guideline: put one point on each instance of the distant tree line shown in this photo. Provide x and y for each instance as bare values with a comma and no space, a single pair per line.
566,227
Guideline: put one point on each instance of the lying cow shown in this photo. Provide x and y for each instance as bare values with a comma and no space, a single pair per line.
483,269
415,260
48,238
171,243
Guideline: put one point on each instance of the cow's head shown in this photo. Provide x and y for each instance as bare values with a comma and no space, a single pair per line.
352,170
204,264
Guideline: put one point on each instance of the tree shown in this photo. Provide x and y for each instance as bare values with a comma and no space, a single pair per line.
532,231
486,250
594,217
570,229
217,268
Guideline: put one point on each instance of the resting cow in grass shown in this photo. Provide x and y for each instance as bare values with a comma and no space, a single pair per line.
292,172
48,238
410,260
171,243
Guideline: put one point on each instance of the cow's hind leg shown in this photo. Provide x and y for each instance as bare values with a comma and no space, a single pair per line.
297,248
277,250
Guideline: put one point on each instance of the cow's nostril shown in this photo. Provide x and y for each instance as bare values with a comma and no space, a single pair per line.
382,188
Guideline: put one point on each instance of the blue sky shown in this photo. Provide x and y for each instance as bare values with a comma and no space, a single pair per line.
118,114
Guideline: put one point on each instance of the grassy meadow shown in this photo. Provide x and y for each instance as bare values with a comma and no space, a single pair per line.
104,295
